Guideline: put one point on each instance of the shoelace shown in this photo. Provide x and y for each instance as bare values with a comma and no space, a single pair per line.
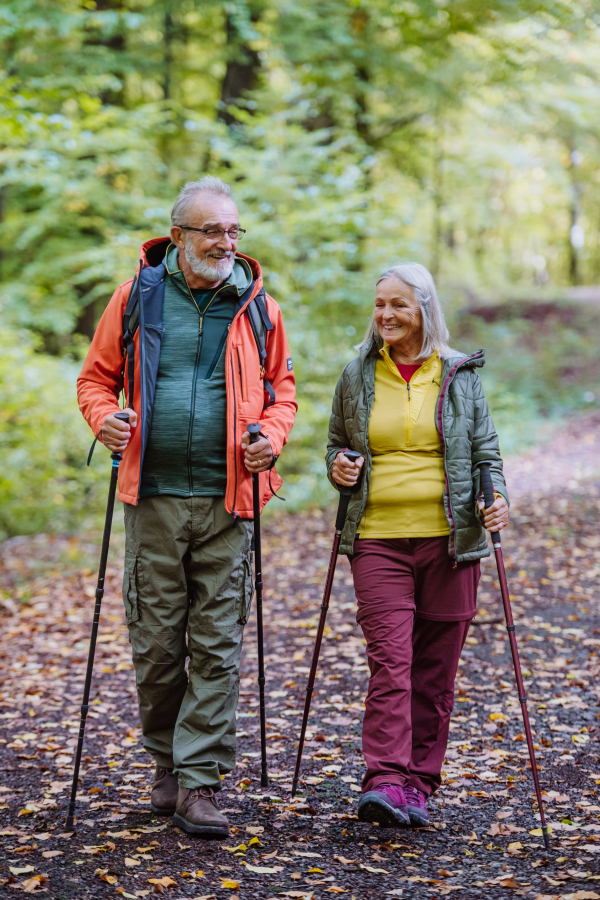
414,796
206,793
395,790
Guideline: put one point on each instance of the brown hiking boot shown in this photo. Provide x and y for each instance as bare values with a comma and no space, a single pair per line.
197,813
164,792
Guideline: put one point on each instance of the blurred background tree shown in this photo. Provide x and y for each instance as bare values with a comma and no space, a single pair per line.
356,133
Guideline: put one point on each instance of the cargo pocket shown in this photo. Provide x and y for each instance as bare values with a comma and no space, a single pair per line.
246,589
130,589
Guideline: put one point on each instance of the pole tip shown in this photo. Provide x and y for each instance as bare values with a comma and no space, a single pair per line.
69,824
546,838
294,787
264,781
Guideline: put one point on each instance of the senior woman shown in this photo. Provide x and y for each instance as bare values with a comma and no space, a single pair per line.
416,412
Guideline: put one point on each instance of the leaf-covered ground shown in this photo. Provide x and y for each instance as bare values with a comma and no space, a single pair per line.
481,842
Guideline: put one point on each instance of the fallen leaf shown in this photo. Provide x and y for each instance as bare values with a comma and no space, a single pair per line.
29,886
132,862
228,883
50,854
20,870
161,883
263,870
254,829
335,890
371,869
581,895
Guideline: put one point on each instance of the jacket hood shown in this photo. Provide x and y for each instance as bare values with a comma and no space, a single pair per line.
152,253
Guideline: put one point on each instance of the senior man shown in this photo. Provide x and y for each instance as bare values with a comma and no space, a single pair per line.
201,351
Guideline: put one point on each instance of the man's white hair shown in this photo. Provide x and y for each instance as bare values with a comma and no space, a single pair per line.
188,193
435,330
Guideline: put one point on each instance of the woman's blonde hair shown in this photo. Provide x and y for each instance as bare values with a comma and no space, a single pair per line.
435,330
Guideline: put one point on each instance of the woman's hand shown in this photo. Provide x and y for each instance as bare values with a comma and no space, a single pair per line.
345,471
496,517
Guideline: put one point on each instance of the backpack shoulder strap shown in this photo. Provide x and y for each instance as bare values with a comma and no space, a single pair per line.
261,324
131,321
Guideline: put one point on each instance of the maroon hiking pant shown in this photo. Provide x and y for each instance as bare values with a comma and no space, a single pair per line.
415,606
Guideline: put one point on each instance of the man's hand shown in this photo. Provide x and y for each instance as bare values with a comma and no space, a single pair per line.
258,456
496,517
345,471
116,433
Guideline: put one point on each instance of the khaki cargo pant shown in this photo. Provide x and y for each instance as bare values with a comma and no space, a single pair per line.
187,570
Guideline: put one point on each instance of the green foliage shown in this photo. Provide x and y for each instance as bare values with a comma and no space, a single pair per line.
355,133
44,482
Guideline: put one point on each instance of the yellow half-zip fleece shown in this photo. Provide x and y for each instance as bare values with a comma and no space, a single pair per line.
407,476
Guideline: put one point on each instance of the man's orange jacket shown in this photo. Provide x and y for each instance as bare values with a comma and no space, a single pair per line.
102,379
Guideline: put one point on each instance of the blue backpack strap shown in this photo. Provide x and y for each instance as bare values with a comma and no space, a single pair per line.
131,321
261,324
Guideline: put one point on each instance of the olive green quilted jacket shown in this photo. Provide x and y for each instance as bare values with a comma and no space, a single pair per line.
466,430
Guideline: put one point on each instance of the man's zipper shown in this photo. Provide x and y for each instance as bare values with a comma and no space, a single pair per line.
196,364
193,405
235,447
240,372
203,313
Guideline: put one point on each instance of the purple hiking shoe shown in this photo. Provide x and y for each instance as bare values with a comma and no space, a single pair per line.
416,806
386,804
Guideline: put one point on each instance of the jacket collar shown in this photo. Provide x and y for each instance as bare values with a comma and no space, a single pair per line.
152,253
429,366
238,282
450,360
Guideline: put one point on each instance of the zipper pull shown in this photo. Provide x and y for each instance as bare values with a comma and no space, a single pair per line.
200,326
408,389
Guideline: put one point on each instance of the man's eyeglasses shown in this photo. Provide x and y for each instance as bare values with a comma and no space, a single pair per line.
235,234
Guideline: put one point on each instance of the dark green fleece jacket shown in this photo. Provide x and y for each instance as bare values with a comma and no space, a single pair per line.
186,448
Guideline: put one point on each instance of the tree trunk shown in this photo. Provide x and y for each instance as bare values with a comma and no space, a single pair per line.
241,72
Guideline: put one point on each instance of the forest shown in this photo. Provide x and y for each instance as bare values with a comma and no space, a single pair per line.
355,133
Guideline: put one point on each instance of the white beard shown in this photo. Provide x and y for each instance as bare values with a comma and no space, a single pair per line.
220,269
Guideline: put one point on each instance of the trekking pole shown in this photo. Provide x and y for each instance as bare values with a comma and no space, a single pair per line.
116,459
345,494
488,496
254,431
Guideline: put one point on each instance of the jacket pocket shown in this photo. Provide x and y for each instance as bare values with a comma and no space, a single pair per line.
130,589
246,589
241,374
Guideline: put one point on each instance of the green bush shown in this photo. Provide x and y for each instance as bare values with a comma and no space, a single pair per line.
45,484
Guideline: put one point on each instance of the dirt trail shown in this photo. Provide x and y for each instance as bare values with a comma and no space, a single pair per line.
480,843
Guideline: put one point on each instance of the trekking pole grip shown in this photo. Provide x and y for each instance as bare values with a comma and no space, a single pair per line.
254,432
123,417
345,493
488,493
